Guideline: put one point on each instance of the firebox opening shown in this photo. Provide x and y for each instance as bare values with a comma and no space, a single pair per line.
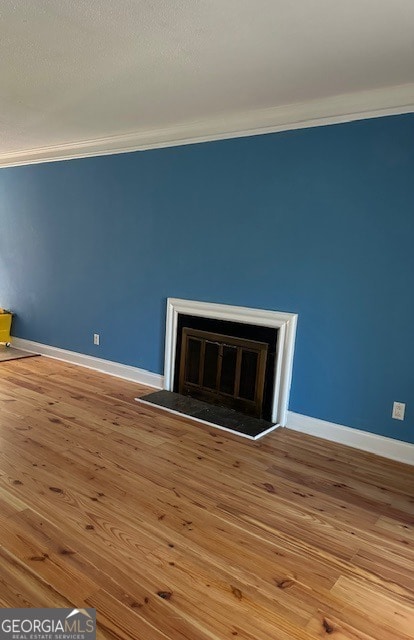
228,364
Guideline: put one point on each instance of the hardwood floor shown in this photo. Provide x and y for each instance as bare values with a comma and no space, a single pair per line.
173,530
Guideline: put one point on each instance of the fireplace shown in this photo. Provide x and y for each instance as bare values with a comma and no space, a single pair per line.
228,366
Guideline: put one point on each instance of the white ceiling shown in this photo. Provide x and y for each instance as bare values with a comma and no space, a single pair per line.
143,72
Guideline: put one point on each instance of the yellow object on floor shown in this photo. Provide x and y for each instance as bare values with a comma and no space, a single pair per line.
5,326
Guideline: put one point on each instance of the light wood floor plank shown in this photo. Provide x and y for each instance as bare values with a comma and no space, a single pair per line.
176,531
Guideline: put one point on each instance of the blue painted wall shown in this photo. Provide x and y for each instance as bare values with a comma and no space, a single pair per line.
317,221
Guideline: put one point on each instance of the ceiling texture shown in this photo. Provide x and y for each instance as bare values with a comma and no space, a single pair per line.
89,77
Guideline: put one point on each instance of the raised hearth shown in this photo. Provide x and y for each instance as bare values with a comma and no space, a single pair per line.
221,417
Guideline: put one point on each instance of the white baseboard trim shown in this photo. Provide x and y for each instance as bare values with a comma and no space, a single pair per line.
124,371
364,440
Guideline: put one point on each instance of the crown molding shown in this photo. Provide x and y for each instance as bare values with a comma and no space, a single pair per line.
342,108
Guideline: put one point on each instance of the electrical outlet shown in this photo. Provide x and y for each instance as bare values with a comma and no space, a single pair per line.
96,339
398,410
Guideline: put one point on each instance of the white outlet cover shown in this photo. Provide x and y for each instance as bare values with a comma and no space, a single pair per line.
398,410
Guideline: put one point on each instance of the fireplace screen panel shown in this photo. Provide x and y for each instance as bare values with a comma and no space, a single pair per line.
223,370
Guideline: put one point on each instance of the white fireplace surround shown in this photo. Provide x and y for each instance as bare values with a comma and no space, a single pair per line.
285,322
